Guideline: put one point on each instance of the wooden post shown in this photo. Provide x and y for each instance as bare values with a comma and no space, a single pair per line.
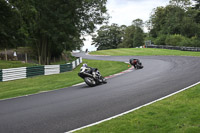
26,59
6,56
39,60
47,60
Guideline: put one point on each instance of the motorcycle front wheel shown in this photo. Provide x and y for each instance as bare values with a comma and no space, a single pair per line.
90,81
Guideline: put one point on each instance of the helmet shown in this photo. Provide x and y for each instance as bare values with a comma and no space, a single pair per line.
84,65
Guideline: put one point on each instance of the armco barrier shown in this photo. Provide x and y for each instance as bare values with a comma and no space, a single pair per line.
80,59
51,69
14,73
174,47
65,67
25,72
73,64
34,71
1,75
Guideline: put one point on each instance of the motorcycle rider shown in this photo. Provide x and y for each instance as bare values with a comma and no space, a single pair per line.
86,69
133,62
136,63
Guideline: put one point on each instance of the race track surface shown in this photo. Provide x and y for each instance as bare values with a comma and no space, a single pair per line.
73,107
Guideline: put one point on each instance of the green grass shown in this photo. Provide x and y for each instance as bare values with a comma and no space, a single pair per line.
143,52
51,82
14,64
177,114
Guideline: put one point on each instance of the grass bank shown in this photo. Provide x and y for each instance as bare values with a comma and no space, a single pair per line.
143,52
51,82
178,114
13,64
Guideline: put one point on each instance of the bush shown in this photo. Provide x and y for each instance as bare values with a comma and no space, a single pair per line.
160,40
190,42
68,56
186,42
174,40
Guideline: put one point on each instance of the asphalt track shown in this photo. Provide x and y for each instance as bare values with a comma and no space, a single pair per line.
73,107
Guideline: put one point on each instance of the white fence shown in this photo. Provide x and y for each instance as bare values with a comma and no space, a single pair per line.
13,73
25,72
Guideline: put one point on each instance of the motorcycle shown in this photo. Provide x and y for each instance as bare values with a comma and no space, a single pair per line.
136,63
90,80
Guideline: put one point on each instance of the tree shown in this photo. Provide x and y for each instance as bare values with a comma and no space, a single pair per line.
157,20
52,26
138,39
197,9
175,18
128,36
108,37
184,4
133,35
138,23
9,24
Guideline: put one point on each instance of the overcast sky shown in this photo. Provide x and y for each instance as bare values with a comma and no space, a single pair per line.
123,12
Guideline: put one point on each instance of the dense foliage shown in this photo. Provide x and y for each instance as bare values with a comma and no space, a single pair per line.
108,37
176,24
49,26
114,36
9,26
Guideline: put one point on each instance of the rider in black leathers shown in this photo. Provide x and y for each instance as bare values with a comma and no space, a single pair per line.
86,69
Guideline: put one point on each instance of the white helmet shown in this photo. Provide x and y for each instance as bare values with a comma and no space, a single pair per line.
84,65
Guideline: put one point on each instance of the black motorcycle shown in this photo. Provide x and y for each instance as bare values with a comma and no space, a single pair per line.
90,80
136,63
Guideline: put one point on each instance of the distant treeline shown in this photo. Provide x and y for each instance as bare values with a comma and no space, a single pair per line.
177,24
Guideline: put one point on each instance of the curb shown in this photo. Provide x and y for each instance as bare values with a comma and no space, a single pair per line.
112,76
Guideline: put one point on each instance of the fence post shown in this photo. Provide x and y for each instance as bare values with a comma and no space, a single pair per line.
40,60
26,59
6,56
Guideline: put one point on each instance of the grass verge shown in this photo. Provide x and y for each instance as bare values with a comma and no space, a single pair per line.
143,52
178,113
51,82
14,64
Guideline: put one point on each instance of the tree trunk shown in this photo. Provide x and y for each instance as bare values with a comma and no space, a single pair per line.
44,50
49,51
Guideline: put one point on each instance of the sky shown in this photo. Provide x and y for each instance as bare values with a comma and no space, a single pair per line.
123,12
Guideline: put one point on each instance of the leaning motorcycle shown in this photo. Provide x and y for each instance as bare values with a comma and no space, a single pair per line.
136,63
90,80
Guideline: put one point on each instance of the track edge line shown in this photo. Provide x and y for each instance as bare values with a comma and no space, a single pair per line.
96,123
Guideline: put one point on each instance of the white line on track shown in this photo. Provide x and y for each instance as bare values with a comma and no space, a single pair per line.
133,109
79,84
